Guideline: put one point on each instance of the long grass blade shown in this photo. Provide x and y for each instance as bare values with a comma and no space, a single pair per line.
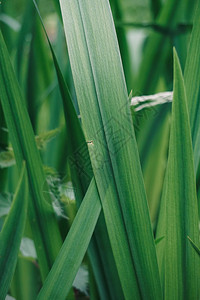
192,84
99,251
157,49
178,219
101,93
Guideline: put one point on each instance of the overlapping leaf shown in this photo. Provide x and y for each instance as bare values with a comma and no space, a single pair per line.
44,226
63,272
103,102
100,252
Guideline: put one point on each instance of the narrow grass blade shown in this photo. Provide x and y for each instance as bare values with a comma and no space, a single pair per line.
179,263
103,101
123,44
192,84
21,41
156,49
11,233
152,133
63,272
3,147
45,230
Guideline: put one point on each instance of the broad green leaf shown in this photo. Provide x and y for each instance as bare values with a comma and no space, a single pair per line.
45,230
178,219
64,270
11,233
192,84
103,101
100,252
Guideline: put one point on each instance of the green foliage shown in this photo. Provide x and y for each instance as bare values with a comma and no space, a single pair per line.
108,185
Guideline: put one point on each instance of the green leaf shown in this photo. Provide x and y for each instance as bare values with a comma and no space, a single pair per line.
43,223
178,219
64,270
192,84
106,118
11,233
100,252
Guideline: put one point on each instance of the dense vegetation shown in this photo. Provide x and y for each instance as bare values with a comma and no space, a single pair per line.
99,183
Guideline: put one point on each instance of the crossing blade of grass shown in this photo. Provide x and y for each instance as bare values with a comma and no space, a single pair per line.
179,263
11,233
63,272
45,229
100,252
192,84
103,101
